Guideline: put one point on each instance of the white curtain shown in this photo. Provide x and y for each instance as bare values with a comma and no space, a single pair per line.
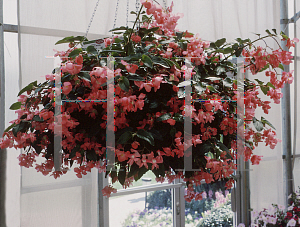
69,201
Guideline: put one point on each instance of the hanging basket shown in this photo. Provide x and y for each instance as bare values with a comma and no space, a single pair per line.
176,99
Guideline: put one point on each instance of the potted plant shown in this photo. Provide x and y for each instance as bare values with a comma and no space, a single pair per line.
150,77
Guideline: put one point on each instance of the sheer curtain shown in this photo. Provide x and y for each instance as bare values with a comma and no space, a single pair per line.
70,201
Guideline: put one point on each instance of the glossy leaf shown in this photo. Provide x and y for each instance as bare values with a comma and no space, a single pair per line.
147,61
145,136
164,117
84,75
29,87
124,84
10,127
15,106
265,121
259,126
125,137
220,42
75,53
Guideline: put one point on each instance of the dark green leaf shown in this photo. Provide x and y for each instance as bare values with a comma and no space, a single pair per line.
284,35
160,172
124,137
212,78
267,31
135,77
264,68
274,30
153,105
220,70
145,136
141,172
147,61
173,131
259,81
145,18
171,63
10,127
281,66
227,82
38,90
84,75
227,50
184,83
15,106
75,53
71,39
91,49
265,121
122,176
224,148
220,42
264,89
211,88
91,155
199,88
133,169
212,45
160,61
120,28
29,87
183,45
36,147
37,118
164,117
124,84
151,30
258,124
270,85
179,35
132,12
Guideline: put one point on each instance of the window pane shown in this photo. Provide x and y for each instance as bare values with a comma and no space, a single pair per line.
213,210
135,210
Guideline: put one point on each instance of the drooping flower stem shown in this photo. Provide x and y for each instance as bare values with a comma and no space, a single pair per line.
137,18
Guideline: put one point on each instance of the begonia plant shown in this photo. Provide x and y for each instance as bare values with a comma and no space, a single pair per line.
149,82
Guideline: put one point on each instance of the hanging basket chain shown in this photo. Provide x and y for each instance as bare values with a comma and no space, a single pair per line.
91,20
127,12
137,7
165,4
116,13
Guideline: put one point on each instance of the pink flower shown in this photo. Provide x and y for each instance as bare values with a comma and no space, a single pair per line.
67,87
171,121
107,42
255,159
106,191
147,3
79,59
50,77
135,38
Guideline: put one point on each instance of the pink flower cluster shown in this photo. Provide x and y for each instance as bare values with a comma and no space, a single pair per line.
164,19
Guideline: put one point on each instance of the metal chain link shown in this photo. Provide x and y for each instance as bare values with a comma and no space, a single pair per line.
91,20
127,13
165,4
137,6
116,13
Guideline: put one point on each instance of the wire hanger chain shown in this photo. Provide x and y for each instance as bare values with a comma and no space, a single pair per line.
91,20
165,4
116,14
127,13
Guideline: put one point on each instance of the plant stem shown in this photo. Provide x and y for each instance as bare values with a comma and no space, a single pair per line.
249,45
137,18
